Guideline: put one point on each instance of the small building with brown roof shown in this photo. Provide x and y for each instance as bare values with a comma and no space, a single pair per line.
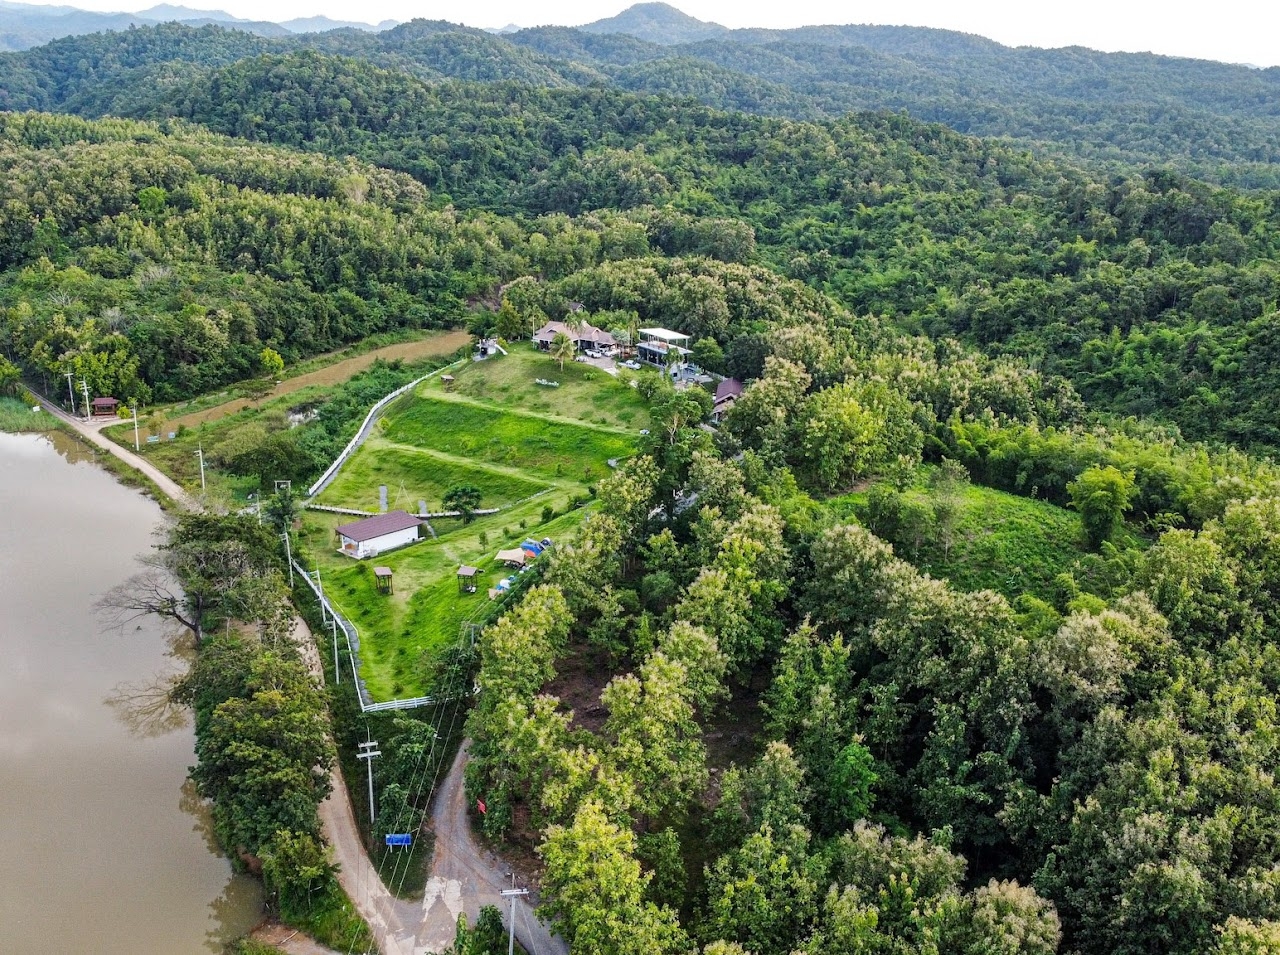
584,336
104,406
728,392
377,534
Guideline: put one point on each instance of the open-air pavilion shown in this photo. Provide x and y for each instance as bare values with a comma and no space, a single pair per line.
467,579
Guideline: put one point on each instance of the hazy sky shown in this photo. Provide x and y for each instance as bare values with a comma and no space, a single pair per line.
1237,31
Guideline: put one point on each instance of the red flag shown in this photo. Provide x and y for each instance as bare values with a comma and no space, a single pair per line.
481,806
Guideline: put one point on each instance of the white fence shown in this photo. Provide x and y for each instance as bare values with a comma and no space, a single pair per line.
369,419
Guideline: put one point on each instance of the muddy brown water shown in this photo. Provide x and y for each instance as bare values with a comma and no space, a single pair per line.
104,847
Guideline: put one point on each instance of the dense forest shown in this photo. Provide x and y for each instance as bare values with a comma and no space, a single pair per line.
1216,121
1153,293
769,700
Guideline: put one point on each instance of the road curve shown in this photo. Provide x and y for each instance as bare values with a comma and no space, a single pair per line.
465,877
90,433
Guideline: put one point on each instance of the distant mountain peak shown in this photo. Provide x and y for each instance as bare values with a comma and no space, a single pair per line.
168,11
657,23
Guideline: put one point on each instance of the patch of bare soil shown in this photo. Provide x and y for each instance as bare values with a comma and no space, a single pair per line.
338,372
580,678
288,940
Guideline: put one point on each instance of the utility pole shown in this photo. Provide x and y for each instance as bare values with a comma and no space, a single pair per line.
84,385
288,556
71,391
200,455
136,446
324,618
513,893
367,755
337,671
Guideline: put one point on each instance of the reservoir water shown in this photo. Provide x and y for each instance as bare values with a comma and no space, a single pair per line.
104,847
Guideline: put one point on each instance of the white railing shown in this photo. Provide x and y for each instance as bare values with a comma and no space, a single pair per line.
365,427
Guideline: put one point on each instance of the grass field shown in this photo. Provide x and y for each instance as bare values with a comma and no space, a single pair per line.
420,474
1002,542
513,439
425,613
584,395
527,447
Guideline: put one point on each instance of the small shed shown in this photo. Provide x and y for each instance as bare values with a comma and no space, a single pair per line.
515,557
447,381
104,406
467,579
377,534
382,579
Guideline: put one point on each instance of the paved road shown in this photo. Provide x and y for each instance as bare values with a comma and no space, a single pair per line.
464,877
90,432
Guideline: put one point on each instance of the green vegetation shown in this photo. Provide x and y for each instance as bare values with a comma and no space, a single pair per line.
418,474
584,395
1208,118
982,665
527,442
982,539
263,747
522,461
16,417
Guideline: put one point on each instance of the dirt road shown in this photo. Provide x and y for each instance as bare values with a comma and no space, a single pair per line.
464,877
441,343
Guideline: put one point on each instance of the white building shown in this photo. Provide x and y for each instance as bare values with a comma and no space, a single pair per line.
663,347
374,535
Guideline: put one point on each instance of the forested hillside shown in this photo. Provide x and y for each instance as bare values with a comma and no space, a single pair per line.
949,637
1154,294
1214,120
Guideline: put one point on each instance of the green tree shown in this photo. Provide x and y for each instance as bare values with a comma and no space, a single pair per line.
10,376
563,349
282,510
1102,496
487,937
463,498
270,362
295,867
594,889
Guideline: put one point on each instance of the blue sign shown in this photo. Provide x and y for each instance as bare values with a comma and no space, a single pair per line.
399,838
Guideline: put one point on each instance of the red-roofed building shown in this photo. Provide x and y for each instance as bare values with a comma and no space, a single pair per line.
375,535
727,392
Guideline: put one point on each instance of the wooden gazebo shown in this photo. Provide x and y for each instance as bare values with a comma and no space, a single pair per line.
467,579
382,579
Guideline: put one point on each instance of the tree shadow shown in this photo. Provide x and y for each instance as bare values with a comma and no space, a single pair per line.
146,707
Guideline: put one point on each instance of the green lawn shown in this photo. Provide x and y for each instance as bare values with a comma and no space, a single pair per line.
413,475
425,613
585,395
527,448
539,447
